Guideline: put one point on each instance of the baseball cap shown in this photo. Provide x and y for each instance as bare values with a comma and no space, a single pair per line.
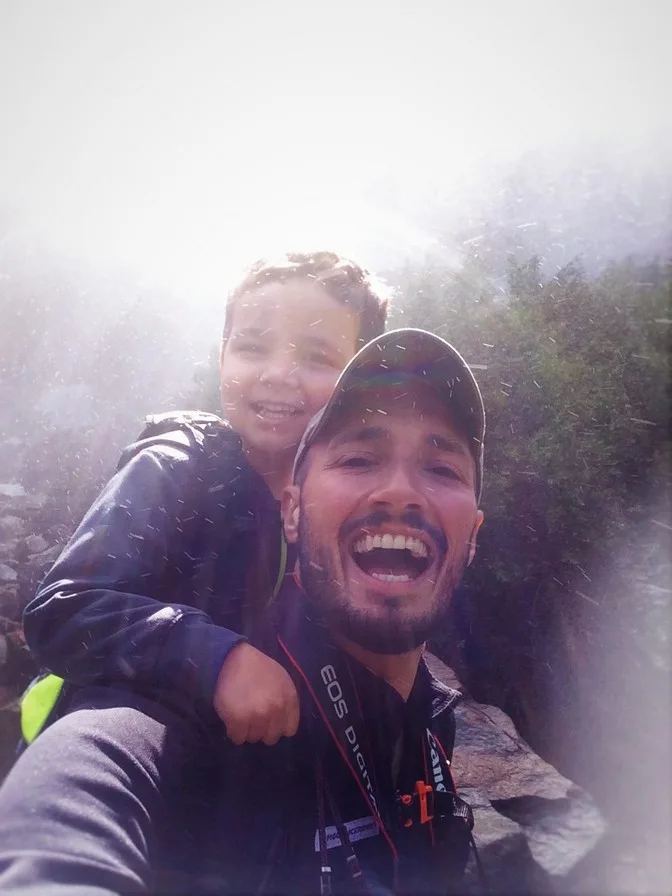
391,358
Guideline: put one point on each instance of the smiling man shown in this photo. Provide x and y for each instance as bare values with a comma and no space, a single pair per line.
384,510
388,510
386,506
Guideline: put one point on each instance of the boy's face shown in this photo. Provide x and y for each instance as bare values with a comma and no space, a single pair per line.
287,345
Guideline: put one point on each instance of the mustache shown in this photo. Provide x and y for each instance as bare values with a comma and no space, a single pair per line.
410,518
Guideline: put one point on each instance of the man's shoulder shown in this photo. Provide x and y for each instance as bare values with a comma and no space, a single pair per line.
443,693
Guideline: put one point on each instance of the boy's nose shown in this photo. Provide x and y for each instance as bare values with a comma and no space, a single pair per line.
279,370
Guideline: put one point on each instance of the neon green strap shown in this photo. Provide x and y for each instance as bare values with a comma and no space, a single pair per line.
283,564
37,703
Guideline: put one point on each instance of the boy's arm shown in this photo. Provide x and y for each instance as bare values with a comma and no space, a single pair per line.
94,619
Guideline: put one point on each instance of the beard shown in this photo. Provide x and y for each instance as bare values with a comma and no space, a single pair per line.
389,627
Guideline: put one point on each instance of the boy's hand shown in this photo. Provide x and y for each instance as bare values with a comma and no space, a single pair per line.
255,697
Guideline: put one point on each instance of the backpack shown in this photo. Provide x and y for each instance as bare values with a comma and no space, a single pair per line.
215,444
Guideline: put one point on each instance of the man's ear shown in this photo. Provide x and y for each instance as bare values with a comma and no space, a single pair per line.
289,505
474,534
222,387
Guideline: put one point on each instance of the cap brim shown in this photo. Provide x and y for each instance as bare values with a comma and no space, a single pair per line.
415,353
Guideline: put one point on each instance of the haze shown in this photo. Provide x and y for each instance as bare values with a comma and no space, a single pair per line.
179,140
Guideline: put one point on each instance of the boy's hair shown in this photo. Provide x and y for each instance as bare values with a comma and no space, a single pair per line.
342,279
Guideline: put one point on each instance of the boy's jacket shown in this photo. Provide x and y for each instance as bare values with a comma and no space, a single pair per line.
151,589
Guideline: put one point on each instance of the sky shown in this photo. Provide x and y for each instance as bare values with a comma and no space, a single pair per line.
183,139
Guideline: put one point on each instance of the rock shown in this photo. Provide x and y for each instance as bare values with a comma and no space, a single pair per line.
11,456
22,504
533,827
34,570
10,603
58,533
8,550
35,544
11,527
11,490
7,574
46,558
9,627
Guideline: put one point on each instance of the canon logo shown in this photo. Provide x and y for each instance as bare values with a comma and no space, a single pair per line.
436,764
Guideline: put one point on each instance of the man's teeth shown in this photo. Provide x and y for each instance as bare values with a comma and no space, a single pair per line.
392,542
390,577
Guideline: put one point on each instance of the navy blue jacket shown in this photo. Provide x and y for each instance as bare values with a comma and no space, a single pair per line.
151,589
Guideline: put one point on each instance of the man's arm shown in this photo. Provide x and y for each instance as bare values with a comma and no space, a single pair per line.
94,806
98,615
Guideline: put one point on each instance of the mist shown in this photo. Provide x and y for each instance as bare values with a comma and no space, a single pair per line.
151,150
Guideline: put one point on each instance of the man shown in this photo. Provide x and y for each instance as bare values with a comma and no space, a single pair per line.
384,510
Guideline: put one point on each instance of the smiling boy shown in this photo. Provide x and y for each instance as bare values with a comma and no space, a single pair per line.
176,560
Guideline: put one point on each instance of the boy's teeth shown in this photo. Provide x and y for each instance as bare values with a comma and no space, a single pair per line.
278,409
392,542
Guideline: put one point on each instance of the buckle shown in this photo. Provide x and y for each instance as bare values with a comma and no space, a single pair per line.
416,806
325,880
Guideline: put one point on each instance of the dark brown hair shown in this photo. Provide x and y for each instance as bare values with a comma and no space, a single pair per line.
341,278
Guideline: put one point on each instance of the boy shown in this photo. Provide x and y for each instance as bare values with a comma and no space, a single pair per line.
177,557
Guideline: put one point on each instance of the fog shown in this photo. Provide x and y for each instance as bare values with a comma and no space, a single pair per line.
150,150
179,140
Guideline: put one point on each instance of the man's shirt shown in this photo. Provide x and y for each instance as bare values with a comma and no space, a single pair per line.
262,817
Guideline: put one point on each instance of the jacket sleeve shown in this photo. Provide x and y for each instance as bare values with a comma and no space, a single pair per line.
98,615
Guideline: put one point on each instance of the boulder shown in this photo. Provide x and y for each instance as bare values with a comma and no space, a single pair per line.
7,574
10,603
11,527
8,550
34,570
35,544
21,504
11,490
11,456
533,828
42,561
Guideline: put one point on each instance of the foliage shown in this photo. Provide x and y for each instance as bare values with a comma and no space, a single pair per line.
576,383
575,375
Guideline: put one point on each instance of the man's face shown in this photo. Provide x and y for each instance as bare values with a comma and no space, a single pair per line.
387,517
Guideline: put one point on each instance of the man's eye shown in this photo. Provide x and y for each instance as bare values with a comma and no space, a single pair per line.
356,462
445,472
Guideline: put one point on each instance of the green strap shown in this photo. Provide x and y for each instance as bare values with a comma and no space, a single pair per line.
37,703
283,564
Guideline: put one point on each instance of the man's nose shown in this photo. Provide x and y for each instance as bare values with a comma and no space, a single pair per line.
398,489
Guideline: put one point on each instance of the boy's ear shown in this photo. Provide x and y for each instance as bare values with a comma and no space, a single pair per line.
474,534
289,506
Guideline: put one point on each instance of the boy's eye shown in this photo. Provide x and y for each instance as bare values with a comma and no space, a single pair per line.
250,348
317,357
